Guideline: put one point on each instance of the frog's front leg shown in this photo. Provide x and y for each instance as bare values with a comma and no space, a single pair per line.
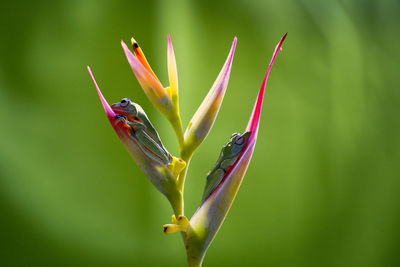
130,127
148,145
125,123
213,179
136,127
226,165
120,118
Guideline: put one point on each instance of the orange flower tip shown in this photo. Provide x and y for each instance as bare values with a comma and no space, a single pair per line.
134,43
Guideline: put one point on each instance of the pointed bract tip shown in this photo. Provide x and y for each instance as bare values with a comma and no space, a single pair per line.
169,41
109,112
125,48
283,39
255,118
230,57
204,118
234,43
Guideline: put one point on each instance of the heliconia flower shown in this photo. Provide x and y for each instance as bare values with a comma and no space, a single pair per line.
203,120
172,75
210,215
164,99
163,177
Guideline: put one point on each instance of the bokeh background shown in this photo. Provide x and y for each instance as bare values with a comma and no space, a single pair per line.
322,189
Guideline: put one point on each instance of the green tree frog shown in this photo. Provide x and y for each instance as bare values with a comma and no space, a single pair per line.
141,130
229,153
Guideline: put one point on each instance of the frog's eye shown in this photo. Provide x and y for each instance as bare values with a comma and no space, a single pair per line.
239,141
125,102
234,135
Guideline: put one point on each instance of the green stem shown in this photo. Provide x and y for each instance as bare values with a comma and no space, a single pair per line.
177,203
182,176
194,262
186,156
177,126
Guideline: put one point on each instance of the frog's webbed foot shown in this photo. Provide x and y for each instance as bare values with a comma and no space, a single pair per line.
178,224
119,118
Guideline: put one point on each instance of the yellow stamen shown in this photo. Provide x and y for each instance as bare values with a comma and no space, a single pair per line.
174,220
180,224
176,166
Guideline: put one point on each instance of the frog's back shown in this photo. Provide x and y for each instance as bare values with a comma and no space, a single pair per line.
149,126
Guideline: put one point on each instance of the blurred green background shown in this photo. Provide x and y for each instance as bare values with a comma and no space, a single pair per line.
322,189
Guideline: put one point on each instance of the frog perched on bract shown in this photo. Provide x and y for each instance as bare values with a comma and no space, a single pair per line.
141,130
229,153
